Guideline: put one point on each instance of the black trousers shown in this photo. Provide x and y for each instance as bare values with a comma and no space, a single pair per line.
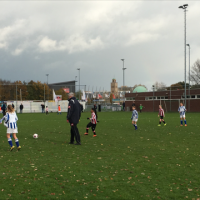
4,112
75,133
93,126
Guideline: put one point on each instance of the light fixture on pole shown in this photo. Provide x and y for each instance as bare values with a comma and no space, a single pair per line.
123,73
79,82
189,76
184,7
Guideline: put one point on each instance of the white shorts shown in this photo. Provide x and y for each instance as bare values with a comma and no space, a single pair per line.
134,120
182,116
11,130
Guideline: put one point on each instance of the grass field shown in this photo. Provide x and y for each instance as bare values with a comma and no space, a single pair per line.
120,163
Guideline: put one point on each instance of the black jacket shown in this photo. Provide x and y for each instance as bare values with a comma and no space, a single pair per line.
74,111
21,107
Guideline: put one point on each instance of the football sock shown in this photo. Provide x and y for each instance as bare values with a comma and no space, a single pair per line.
87,130
94,132
10,142
185,121
181,122
135,126
159,122
17,142
163,122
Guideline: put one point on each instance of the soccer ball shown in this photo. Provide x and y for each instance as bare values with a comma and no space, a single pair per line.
35,135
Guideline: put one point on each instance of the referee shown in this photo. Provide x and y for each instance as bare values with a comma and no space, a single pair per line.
73,116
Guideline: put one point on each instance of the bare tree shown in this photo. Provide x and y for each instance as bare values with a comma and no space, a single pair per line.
159,86
195,73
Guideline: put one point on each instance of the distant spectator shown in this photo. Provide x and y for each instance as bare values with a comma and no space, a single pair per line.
59,110
47,110
13,106
43,107
3,108
124,106
133,104
95,107
21,107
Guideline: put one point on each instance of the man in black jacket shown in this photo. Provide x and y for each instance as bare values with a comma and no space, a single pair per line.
3,108
21,107
73,116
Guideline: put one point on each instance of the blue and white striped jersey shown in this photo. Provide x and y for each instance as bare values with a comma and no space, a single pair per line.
10,120
182,110
134,114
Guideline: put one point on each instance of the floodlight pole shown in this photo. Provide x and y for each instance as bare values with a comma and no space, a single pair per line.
189,77
184,7
153,96
123,73
47,84
79,82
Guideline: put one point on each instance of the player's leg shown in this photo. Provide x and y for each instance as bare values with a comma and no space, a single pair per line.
135,124
72,134
77,135
87,128
185,121
181,120
10,142
16,141
93,129
160,121
164,122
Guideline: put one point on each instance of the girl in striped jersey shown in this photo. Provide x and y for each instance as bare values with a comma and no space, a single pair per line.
161,114
10,122
93,122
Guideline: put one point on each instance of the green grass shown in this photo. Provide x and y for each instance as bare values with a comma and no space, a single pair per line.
120,163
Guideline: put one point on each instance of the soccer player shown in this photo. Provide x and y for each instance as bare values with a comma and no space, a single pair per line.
141,107
182,111
93,122
161,114
10,122
134,117
59,110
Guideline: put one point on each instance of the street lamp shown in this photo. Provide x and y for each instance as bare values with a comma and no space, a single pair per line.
123,73
189,75
184,7
47,84
79,82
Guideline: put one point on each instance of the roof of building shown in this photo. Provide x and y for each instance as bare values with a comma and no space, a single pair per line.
63,83
140,89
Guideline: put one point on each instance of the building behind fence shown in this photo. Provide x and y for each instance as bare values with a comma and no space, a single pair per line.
169,99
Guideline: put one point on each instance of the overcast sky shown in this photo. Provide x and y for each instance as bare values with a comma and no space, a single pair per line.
57,37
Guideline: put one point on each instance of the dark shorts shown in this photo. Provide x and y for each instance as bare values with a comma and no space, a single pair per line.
161,117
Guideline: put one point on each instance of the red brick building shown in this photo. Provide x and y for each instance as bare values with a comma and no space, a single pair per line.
170,100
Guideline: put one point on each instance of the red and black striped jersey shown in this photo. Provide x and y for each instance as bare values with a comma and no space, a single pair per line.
93,119
161,112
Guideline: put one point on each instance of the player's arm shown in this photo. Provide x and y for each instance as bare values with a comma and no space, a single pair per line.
136,114
132,115
70,110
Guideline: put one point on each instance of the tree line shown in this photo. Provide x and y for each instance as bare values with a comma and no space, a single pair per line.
18,90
